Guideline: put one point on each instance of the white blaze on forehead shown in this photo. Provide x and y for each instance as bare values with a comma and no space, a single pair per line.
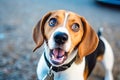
63,27
65,19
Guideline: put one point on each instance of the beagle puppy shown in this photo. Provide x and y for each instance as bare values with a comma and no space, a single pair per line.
71,47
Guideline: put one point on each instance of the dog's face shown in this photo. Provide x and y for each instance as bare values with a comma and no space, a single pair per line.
64,33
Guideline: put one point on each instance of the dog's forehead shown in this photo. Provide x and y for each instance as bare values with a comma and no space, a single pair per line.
63,13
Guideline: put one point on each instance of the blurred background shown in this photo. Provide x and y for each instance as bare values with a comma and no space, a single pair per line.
17,18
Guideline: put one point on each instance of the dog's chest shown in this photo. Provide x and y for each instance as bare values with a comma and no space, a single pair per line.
75,72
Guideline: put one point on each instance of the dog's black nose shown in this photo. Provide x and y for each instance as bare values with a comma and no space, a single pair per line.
60,37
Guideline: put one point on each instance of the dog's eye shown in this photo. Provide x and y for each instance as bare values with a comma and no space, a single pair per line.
52,22
75,27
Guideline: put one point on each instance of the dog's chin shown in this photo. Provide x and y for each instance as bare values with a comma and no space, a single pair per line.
58,56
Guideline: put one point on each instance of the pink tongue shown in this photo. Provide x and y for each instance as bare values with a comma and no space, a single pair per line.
58,52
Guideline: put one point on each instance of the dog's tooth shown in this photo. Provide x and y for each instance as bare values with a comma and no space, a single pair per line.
53,57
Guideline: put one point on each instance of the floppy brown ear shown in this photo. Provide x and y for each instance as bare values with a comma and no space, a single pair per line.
38,31
89,40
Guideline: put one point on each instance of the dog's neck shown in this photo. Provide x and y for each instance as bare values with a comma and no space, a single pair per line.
60,68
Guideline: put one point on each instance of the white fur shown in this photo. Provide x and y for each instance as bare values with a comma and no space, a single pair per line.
66,18
42,68
75,72
108,60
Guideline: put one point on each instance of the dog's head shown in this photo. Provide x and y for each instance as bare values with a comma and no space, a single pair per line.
64,32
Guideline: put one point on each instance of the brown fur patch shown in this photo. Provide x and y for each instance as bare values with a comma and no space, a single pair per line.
75,36
86,73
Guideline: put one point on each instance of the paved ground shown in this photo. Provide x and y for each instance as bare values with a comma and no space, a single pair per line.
17,18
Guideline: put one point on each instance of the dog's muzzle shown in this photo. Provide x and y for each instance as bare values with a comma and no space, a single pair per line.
58,54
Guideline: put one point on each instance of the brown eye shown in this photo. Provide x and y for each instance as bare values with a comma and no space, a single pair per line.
75,27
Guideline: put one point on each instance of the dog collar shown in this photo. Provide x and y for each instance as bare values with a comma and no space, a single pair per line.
60,68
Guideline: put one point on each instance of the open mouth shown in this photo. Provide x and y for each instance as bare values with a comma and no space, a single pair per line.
58,56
